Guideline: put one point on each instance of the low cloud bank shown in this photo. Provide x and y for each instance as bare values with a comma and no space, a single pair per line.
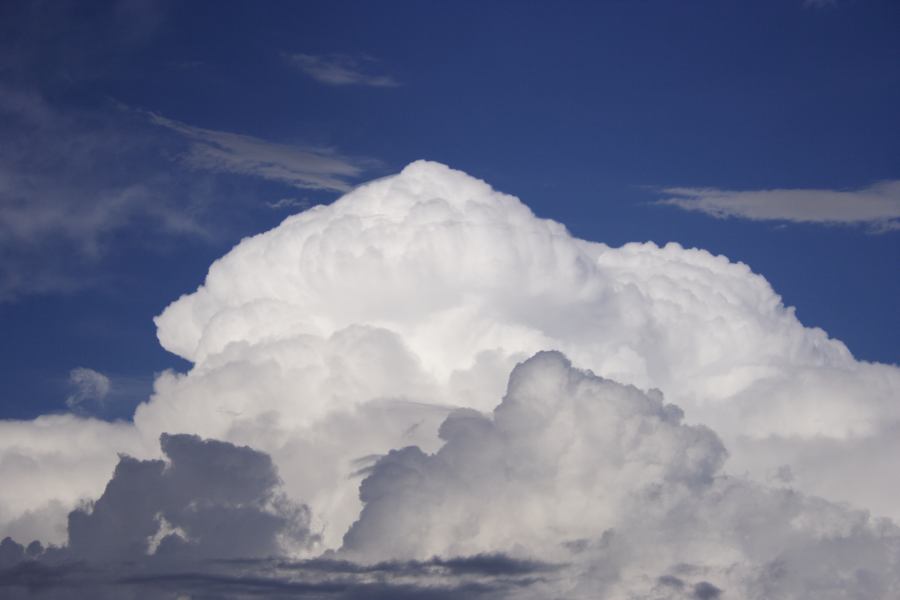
574,486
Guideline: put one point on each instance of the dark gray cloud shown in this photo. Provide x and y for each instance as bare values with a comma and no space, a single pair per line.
210,521
210,500
706,591
483,576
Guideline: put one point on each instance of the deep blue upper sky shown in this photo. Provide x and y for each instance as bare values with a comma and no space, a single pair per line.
582,109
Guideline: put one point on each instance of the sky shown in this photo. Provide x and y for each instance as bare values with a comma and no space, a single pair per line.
590,111
145,142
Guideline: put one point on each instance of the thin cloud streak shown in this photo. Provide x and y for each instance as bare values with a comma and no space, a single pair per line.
301,167
299,204
482,576
340,69
876,206
70,180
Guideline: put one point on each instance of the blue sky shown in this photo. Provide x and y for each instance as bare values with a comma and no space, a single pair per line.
143,140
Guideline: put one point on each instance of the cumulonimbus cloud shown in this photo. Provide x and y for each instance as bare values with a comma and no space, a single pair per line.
360,328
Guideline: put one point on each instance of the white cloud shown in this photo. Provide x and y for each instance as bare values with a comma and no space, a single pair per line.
340,69
574,486
877,206
355,328
301,167
89,386
51,463
463,282
562,458
581,471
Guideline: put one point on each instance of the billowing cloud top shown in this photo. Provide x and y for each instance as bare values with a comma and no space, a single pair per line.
396,251
466,275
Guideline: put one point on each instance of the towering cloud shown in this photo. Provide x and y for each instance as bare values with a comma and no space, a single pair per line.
455,283
564,456
607,480
339,342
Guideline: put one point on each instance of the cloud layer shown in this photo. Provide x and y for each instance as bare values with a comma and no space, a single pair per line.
363,342
575,486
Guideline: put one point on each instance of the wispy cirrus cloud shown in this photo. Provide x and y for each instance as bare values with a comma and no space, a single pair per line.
299,166
876,206
70,181
341,69
300,204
